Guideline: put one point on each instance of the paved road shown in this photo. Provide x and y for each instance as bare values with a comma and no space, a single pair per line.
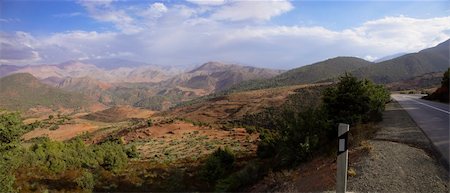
431,117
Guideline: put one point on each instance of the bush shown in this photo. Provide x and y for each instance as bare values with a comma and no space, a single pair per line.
111,156
353,101
6,183
442,93
86,181
57,156
217,165
132,152
149,122
251,173
267,147
11,128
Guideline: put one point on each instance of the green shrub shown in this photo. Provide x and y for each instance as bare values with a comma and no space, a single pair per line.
86,181
7,182
11,128
251,173
111,156
267,147
132,152
353,101
217,165
149,122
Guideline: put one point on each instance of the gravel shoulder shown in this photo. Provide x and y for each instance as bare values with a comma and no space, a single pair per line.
401,159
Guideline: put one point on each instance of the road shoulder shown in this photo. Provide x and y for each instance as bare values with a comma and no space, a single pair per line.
401,159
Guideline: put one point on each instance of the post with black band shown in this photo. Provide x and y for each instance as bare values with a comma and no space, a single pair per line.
342,160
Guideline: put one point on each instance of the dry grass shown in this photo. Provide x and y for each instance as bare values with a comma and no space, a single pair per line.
235,105
171,142
351,172
119,114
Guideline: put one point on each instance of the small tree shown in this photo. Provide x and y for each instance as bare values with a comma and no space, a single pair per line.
352,100
347,102
11,127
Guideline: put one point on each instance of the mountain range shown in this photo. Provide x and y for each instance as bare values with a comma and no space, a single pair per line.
123,82
435,59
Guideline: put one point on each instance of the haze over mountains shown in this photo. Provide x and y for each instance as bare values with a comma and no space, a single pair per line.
122,82
22,91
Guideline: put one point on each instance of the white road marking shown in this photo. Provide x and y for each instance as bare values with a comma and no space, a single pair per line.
435,108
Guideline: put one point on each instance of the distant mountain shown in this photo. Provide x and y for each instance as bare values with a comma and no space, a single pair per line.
111,73
203,80
435,59
389,57
23,91
216,76
7,69
113,63
312,73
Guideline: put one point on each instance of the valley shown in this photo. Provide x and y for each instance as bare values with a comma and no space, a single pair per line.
212,127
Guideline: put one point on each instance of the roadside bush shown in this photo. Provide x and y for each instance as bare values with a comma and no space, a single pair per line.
267,147
217,165
251,173
442,93
353,101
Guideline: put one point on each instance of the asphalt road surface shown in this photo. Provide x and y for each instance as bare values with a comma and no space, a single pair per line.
431,117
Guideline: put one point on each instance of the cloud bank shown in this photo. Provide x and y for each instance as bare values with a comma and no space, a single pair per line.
230,31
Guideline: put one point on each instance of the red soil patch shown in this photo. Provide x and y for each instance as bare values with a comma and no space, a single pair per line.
64,132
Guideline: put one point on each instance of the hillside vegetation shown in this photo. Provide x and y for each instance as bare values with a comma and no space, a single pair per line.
442,93
407,66
325,70
435,59
23,91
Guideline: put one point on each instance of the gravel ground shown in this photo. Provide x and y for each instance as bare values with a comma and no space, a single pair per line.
401,160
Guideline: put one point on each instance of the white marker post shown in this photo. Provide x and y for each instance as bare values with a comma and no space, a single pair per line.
342,160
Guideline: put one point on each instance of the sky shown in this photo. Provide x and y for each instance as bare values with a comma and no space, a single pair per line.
279,34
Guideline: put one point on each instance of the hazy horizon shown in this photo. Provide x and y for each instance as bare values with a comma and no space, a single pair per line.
271,34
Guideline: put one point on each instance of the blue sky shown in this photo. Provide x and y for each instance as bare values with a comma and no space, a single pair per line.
275,34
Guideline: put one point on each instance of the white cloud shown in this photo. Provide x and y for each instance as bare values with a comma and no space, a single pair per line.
181,34
155,10
370,58
9,20
73,14
18,48
252,10
104,11
207,2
